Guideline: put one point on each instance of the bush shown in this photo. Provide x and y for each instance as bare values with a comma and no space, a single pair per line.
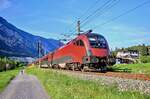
2,65
145,59
10,64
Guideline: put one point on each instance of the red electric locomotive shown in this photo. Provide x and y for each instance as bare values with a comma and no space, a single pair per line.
87,51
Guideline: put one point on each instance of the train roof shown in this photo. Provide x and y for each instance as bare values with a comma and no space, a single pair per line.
88,33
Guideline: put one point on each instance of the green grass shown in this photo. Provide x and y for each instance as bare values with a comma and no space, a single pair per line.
6,77
143,68
60,86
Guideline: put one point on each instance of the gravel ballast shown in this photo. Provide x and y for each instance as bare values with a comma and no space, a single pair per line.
122,84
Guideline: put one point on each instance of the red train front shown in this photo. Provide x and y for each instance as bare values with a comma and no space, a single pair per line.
86,51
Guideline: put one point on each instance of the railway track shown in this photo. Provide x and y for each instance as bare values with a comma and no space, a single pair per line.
123,75
114,74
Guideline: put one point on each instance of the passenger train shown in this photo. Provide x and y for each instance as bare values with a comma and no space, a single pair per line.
88,51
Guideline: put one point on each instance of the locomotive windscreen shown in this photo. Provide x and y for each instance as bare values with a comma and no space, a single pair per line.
97,41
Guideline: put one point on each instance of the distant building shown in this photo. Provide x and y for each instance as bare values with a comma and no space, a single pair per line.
23,59
148,50
127,56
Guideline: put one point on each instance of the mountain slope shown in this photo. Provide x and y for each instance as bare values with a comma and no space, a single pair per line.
16,42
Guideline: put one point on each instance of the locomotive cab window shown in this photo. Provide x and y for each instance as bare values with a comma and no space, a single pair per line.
97,41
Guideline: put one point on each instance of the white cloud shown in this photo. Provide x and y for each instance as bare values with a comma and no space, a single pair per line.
4,4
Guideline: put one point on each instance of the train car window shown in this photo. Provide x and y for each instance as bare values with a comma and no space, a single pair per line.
74,43
79,43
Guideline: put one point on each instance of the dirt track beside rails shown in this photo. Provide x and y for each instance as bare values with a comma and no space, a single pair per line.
124,81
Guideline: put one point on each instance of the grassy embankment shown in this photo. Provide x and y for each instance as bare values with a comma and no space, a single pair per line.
6,77
143,68
61,86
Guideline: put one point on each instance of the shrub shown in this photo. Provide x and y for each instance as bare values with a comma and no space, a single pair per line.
10,64
145,59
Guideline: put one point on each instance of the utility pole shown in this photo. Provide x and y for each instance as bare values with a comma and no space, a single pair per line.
78,27
39,52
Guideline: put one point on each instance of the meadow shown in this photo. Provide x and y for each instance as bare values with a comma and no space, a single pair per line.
140,68
60,86
6,77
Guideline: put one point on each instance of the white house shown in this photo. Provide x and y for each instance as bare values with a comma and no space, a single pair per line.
128,54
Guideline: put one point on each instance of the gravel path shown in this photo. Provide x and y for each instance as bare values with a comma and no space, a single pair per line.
122,84
24,87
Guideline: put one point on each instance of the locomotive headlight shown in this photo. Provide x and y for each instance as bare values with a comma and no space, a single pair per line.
95,60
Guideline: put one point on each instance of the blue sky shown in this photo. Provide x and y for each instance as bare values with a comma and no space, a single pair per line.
51,18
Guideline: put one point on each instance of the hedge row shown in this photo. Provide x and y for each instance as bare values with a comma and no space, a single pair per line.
6,64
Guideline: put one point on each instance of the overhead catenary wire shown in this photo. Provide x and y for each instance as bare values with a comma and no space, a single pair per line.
106,6
97,10
89,9
83,14
74,29
103,11
122,14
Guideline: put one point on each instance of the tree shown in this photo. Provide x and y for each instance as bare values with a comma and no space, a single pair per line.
143,50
